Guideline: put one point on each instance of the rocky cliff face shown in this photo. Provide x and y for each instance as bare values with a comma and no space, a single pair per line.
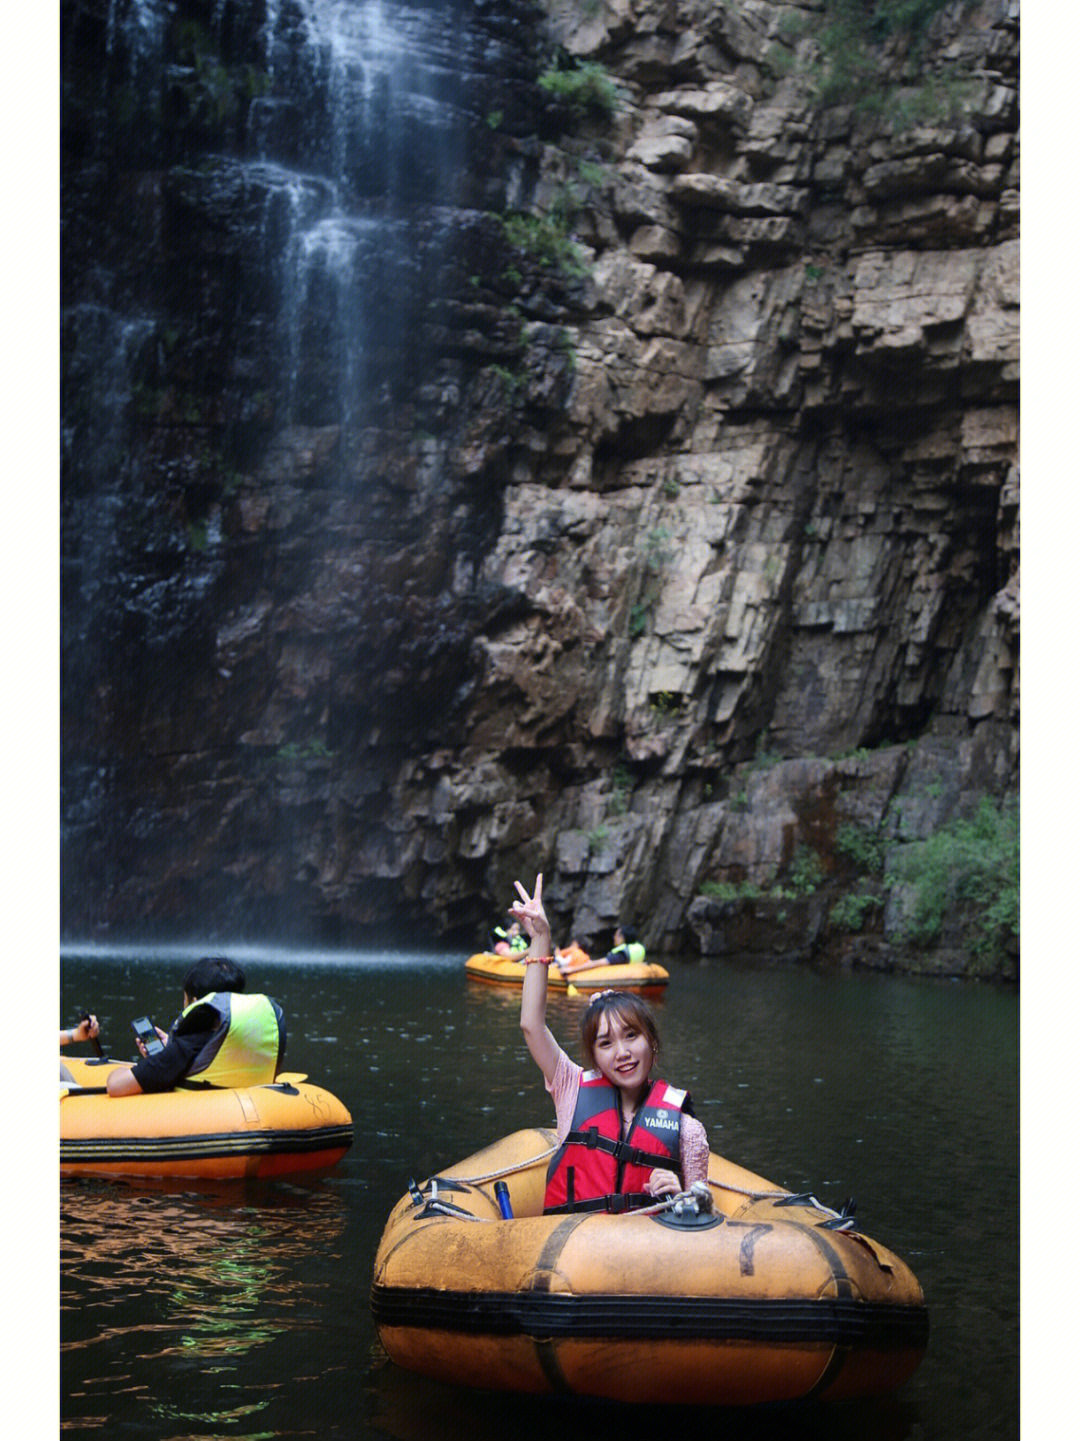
677,546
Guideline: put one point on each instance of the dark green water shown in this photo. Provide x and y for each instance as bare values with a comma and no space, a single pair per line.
242,1313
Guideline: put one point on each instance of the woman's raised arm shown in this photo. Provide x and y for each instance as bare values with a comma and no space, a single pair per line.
529,910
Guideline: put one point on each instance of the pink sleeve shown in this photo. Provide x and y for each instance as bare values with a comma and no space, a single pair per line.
693,1151
564,1090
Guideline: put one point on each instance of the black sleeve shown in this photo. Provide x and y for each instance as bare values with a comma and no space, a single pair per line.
201,1019
282,1035
162,1071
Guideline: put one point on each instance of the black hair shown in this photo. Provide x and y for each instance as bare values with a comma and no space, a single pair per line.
629,933
213,973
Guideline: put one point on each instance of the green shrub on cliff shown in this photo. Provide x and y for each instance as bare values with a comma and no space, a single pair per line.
726,891
969,864
547,239
862,847
585,88
850,911
806,872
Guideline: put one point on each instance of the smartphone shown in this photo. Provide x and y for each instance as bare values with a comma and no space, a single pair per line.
144,1030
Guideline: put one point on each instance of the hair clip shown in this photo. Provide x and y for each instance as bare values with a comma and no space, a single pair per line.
599,996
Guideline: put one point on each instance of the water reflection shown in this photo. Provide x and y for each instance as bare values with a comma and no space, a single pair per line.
160,1284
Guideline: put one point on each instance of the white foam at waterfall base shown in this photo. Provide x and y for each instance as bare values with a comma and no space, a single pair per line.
264,954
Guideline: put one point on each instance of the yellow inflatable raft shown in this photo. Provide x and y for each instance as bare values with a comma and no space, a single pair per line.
260,1131
761,1297
643,977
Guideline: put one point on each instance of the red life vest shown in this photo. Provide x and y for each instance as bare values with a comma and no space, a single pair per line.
596,1168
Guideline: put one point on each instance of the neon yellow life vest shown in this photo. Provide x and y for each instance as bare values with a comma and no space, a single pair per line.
243,1049
516,943
629,951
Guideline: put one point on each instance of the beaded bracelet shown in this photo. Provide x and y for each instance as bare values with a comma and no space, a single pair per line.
537,960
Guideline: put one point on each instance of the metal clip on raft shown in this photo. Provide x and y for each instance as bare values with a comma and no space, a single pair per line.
697,1200
691,1209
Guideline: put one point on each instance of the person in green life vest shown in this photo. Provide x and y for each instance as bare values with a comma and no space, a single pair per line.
223,1037
509,940
627,947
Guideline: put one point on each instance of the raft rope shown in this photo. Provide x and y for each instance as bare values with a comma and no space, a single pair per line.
434,1203
696,1199
719,1185
842,1220
506,1170
782,1198
751,1195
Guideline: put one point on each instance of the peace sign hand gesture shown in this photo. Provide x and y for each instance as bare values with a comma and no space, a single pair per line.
529,910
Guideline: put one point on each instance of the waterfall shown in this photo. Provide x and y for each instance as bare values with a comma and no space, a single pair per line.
343,124
384,76
268,210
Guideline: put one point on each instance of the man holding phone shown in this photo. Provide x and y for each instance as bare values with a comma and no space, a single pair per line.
222,1037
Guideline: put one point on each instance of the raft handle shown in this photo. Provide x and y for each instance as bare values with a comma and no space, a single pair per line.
844,1220
447,1208
838,1220
433,1197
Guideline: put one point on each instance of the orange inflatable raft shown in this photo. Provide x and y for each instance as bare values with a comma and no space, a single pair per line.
643,977
272,1130
742,1294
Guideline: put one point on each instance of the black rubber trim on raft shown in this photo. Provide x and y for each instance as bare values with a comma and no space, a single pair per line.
866,1325
184,1148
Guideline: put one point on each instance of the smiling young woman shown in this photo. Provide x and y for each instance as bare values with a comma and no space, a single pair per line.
625,1138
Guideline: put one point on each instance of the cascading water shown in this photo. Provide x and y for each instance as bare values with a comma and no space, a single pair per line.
388,90
348,120
267,207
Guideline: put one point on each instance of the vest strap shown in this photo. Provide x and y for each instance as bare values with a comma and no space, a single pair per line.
614,1204
621,1150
